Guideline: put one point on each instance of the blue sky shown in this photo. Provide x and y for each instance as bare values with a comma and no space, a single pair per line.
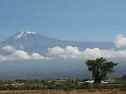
85,20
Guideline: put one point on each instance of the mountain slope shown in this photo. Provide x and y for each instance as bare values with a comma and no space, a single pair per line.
34,42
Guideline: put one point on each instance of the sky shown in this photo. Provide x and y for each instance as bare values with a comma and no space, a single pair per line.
81,20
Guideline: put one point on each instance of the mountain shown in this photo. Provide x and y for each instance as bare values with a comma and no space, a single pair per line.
34,42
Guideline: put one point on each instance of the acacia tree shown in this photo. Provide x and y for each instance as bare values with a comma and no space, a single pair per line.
100,68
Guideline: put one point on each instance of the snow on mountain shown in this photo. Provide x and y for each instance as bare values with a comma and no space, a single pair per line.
23,34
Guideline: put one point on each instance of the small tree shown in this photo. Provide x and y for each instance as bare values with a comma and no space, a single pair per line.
100,67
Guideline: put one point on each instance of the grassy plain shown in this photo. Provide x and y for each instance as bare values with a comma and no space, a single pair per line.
82,91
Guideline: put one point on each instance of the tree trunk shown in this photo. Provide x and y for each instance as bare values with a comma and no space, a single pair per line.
97,81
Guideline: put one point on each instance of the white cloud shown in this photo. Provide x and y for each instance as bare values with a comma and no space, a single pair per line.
37,56
74,52
8,48
19,55
106,53
92,53
120,41
67,52
56,50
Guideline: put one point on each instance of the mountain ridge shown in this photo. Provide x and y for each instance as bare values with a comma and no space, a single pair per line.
35,42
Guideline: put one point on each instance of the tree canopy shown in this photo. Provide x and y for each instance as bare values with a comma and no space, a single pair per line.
100,67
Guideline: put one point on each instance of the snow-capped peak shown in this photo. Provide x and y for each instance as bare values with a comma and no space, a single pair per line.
22,34
30,32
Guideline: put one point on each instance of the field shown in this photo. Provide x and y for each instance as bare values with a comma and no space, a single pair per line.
60,87
83,91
